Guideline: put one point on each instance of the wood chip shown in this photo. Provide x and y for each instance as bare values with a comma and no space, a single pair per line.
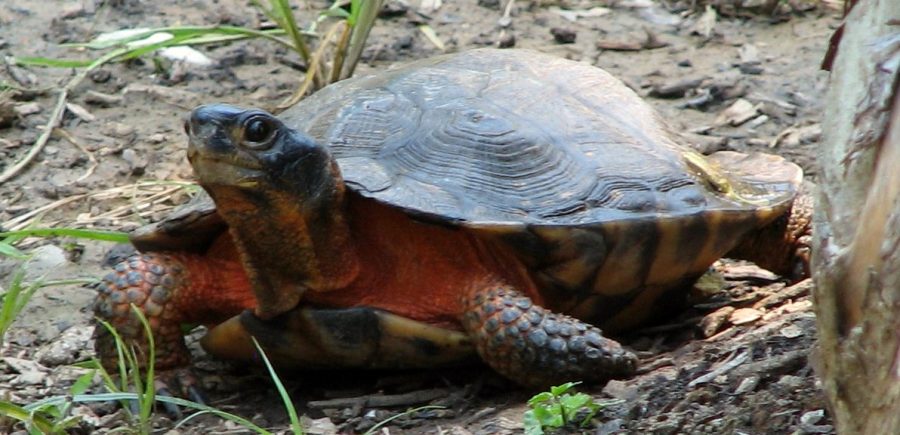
794,135
712,322
799,289
79,111
650,42
675,90
748,272
101,99
745,315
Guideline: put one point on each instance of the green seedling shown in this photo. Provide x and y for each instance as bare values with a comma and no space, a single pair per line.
558,408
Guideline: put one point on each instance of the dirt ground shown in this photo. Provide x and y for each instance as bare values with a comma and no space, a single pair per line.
740,361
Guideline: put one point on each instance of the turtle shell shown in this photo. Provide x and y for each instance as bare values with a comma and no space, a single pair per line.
560,162
498,137
557,159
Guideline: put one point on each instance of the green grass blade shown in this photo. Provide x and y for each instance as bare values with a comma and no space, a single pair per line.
78,233
148,393
14,299
8,250
20,413
53,63
283,9
285,397
363,14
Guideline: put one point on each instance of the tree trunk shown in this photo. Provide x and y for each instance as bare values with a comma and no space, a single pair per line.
856,256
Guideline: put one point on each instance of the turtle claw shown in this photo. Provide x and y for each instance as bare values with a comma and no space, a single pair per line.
180,382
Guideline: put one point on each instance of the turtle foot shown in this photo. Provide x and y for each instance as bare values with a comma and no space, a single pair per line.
538,348
147,282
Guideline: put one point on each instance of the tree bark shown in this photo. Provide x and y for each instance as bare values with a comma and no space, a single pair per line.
856,255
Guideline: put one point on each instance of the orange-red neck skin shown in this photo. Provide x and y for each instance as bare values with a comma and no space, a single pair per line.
406,267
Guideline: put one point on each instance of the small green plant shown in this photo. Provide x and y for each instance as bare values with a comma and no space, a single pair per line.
48,417
558,408
18,293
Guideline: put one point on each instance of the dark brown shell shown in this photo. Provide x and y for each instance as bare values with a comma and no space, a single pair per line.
500,137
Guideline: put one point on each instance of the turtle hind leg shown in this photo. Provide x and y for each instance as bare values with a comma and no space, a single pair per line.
784,245
538,348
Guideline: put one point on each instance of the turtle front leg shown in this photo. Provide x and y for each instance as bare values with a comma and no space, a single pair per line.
538,348
170,290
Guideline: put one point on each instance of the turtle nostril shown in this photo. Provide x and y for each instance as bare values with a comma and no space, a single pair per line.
187,126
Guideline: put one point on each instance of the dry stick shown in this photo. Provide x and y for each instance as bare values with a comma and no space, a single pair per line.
381,400
52,123
90,155
733,361
311,69
56,116
23,221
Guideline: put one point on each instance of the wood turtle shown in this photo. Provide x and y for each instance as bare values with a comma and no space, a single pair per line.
501,204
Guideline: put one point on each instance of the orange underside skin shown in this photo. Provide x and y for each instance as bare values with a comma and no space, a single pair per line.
408,268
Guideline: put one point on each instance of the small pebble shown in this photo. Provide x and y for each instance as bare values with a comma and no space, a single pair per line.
563,35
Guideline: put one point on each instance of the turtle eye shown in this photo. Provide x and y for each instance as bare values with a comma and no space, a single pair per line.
258,132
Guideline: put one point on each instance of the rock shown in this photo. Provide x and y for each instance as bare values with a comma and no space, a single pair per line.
791,331
44,259
67,348
137,163
747,385
119,130
25,109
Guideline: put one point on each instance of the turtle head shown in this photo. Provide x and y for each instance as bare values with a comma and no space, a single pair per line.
282,196
253,149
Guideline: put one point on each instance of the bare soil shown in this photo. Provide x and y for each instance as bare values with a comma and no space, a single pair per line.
739,361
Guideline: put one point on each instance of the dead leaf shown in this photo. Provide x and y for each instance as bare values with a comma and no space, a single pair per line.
794,135
574,14
706,23
738,113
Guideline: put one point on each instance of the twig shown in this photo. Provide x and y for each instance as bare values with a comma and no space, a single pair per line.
311,70
734,361
52,123
24,220
21,221
56,116
381,400
90,170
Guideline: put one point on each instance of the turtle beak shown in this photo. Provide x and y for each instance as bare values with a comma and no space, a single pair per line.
209,127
